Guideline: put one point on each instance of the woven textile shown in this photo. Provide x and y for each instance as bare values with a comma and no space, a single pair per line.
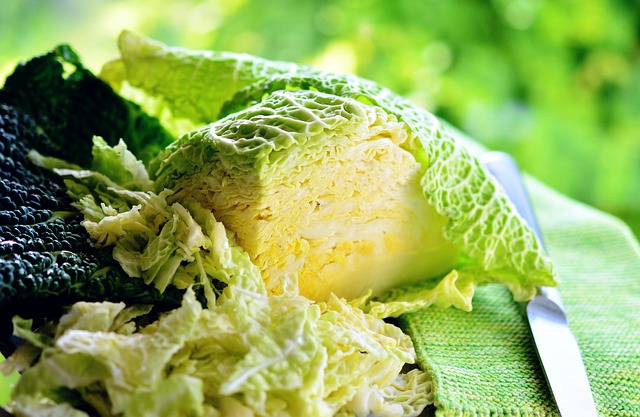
484,362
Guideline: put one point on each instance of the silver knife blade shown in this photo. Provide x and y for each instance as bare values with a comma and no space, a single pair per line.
557,347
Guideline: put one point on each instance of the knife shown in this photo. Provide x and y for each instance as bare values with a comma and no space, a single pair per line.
557,347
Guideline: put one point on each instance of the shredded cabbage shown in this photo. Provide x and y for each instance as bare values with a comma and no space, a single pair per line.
240,352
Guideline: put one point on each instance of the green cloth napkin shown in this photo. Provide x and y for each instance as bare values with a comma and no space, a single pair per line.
484,362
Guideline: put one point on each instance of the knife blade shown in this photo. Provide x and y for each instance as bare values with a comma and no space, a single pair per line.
557,347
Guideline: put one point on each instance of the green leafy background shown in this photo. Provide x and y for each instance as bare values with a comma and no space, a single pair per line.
554,82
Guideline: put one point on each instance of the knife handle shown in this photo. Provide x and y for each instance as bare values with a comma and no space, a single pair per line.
506,171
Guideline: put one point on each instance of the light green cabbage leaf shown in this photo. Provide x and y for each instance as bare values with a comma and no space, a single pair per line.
164,95
120,165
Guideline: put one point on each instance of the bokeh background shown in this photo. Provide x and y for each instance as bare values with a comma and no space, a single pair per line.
554,82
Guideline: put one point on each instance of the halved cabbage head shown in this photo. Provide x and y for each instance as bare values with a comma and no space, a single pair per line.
329,177
316,187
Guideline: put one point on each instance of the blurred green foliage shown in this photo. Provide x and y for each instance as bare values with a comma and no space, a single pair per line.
554,82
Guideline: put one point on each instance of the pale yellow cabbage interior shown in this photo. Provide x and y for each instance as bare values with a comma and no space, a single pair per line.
345,219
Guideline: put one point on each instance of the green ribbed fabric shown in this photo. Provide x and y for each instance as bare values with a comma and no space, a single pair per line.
484,362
